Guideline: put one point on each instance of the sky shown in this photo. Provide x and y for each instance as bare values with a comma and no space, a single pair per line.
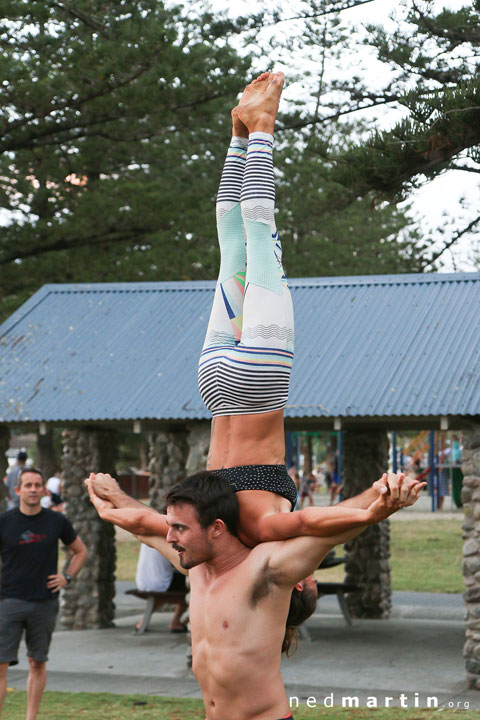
437,203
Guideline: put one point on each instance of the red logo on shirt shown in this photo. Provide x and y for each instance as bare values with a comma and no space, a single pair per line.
29,537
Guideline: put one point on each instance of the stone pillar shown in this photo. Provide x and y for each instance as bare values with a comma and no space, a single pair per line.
198,440
167,461
4,445
89,601
365,458
471,552
46,460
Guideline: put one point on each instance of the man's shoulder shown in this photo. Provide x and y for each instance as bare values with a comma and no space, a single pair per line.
9,514
56,519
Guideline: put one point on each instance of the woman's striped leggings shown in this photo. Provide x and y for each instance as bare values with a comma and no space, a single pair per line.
248,351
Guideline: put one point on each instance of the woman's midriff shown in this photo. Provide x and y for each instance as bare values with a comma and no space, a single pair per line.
247,440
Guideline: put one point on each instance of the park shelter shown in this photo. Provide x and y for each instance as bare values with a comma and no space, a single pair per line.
372,354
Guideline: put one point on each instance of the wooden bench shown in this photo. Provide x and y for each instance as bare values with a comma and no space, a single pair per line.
153,598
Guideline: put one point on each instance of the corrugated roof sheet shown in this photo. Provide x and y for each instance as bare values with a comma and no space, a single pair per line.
401,345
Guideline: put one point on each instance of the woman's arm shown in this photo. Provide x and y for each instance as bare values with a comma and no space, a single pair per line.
365,509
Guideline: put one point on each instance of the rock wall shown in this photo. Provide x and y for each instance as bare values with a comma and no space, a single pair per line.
365,458
168,452
471,552
89,601
4,445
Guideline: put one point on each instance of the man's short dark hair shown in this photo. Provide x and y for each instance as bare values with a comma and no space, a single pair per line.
33,470
212,497
22,455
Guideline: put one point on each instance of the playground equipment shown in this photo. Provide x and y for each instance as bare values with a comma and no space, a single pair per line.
444,456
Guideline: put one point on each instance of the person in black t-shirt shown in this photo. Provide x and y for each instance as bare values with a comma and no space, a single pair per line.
30,581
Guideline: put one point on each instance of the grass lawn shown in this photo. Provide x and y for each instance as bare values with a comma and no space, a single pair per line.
105,706
426,556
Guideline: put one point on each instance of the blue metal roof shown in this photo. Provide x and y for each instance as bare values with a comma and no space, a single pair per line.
374,346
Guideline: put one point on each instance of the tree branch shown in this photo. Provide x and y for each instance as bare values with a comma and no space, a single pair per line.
114,236
451,242
322,13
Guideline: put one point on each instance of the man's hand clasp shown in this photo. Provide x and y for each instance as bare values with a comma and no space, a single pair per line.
99,503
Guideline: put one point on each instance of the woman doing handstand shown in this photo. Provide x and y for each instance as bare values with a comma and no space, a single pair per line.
245,364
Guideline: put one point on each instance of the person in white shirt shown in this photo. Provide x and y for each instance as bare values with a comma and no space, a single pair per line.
156,574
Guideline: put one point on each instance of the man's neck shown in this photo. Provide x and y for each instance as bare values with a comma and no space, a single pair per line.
231,553
30,509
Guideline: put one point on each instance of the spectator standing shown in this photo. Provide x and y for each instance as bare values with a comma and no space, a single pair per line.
30,581
53,493
309,484
11,478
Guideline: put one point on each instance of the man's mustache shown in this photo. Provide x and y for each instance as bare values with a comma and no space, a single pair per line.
177,547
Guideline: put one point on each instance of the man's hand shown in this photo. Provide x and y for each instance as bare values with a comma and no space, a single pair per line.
101,505
104,485
56,582
139,519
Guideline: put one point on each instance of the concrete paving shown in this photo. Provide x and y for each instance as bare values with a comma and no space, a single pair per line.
418,653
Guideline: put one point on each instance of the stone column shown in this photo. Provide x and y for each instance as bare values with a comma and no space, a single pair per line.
365,458
471,552
167,461
46,460
4,445
198,440
89,601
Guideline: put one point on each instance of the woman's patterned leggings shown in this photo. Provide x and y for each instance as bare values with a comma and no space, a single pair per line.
248,351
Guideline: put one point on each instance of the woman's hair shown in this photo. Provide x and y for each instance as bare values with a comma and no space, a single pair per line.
302,605
212,497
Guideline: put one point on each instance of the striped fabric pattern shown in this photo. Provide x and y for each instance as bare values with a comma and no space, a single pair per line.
244,380
232,176
258,180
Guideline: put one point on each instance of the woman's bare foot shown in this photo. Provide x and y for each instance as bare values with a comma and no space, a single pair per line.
252,89
258,108
238,128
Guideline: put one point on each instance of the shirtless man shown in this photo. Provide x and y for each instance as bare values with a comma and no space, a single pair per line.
240,597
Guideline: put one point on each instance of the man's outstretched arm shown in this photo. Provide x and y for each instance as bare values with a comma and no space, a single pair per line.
139,519
107,488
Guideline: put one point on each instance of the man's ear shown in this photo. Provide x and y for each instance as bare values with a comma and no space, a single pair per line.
17,489
217,527
299,586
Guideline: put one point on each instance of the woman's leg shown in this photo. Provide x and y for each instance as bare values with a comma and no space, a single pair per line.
265,353
267,308
225,324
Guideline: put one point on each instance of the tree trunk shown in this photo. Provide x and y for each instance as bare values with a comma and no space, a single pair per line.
365,458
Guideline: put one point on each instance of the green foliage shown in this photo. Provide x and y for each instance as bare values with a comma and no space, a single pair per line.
115,118
113,132
433,61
